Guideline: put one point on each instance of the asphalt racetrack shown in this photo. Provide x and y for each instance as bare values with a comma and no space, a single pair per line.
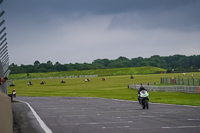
99,115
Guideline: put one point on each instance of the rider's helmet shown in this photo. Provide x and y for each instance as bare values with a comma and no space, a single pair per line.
142,88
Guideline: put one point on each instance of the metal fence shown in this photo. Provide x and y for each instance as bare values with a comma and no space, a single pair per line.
181,81
176,88
4,58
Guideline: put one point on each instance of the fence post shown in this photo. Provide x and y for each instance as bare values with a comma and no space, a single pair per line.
199,82
178,80
199,89
193,81
175,80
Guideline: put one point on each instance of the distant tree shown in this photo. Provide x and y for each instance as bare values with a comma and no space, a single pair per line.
184,62
70,67
60,67
87,66
44,67
23,68
177,62
36,63
120,63
100,63
31,69
136,62
157,61
50,63
196,59
15,69
123,58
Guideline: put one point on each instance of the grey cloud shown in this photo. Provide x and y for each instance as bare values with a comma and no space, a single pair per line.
172,14
98,6
181,17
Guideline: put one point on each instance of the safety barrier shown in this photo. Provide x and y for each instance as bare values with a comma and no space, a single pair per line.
181,81
61,77
177,88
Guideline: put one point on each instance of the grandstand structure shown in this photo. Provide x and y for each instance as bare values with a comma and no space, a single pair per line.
4,57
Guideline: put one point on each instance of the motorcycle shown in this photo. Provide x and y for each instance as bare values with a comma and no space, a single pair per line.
144,99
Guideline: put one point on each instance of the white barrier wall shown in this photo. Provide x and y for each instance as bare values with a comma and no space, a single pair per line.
177,88
61,77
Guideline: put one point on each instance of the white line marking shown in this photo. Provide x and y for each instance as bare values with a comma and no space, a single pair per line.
122,117
193,119
182,127
146,116
92,123
42,124
117,127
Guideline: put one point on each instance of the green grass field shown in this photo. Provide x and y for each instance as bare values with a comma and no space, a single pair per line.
114,87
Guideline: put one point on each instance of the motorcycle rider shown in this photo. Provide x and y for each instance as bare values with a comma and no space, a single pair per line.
141,88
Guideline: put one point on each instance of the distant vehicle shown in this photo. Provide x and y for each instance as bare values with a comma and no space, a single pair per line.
144,98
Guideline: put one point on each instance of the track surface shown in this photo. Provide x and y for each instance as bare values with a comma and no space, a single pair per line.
98,115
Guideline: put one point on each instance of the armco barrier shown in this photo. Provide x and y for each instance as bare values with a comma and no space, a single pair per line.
177,88
6,119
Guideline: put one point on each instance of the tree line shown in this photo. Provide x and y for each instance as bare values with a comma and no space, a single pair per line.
175,63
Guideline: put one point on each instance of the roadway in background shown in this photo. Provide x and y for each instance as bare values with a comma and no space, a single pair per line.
98,115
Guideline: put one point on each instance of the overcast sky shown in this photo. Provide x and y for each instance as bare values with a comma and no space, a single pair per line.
70,31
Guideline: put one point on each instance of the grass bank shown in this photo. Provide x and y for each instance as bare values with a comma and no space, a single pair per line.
99,72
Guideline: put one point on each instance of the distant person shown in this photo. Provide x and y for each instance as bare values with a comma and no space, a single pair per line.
87,80
103,79
3,80
29,83
62,81
42,83
14,93
131,77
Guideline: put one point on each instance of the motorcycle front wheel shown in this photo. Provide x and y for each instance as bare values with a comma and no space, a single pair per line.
146,104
